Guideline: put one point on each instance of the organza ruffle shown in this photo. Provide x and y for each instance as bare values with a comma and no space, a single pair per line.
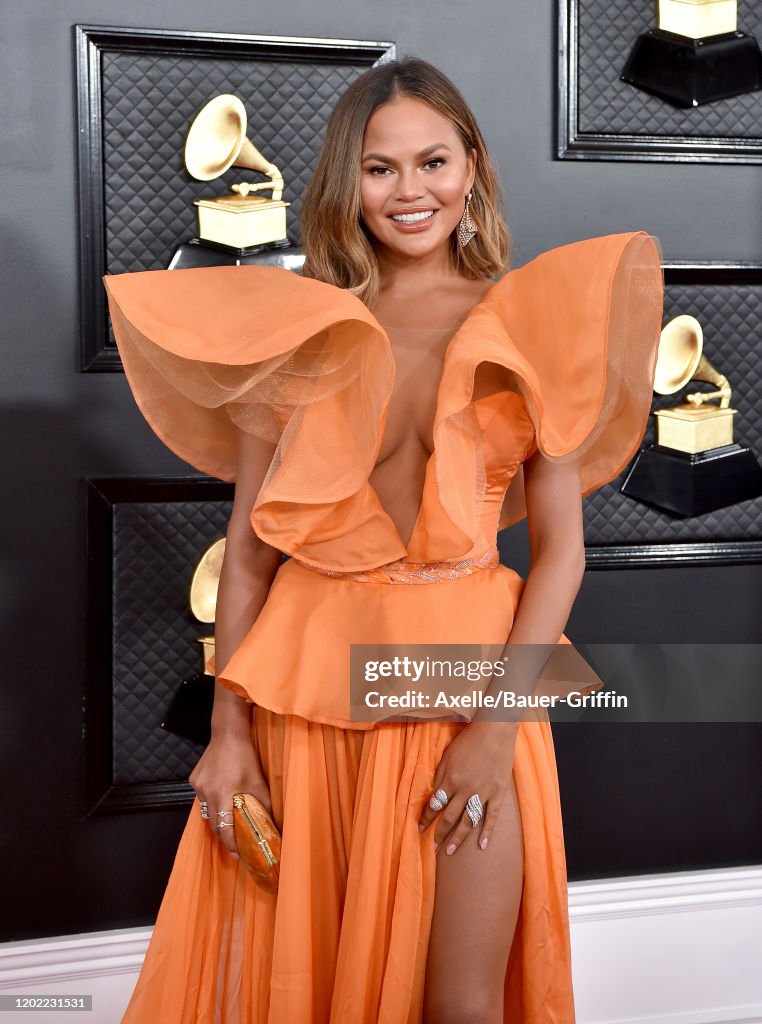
306,365
578,327
211,351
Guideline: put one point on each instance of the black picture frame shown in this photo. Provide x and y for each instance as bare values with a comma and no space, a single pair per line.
103,497
590,29
715,538
91,43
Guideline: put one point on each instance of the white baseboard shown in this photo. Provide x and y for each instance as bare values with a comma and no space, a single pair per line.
102,964
678,948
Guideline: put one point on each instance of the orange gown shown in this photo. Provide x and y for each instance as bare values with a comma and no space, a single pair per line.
208,352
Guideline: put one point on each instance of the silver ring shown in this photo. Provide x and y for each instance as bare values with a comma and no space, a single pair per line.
474,809
225,824
221,813
438,800
204,809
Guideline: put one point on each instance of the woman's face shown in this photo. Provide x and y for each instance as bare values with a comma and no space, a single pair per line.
415,177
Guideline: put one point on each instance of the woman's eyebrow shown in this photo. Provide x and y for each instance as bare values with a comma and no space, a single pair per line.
418,156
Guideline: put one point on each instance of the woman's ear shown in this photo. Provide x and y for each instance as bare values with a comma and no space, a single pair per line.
471,170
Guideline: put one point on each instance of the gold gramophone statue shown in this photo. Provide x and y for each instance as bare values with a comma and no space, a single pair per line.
190,711
695,466
696,55
243,220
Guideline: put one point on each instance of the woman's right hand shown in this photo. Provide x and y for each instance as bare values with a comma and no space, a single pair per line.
230,764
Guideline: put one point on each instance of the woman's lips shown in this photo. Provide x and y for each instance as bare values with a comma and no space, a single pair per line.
413,226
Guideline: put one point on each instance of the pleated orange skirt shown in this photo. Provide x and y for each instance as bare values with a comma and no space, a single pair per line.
345,941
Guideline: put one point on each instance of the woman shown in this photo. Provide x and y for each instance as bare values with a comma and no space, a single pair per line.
383,417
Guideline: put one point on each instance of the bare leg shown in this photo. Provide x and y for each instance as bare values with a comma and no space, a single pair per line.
476,905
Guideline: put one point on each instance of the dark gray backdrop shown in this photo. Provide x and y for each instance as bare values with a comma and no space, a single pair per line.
636,798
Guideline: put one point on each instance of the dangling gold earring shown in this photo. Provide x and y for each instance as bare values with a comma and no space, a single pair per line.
466,226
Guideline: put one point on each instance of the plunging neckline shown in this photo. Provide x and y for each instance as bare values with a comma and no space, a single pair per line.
437,403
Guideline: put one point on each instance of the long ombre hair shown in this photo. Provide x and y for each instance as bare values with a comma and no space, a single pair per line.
338,246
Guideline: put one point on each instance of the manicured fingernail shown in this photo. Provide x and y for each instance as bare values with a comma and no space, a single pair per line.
436,846
420,826
234,855
450,848
484,842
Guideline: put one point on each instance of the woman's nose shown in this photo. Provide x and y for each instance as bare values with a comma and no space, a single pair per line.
408,188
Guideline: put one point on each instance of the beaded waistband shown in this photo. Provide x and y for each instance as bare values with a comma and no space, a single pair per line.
402,571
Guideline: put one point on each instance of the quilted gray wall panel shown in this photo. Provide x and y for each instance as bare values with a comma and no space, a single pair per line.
156,546
149,101
137,93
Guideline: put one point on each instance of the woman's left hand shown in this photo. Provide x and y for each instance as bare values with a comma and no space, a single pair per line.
479,760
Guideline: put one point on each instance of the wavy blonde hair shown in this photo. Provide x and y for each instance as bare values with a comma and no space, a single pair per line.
338,246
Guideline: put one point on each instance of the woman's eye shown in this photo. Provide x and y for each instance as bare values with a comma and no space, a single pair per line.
380,171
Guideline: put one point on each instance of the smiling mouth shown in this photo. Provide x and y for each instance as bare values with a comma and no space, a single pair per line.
412,218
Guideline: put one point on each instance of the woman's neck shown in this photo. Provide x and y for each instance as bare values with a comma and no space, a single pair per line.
402,276
427,301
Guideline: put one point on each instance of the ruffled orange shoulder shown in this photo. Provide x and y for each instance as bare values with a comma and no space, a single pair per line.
212,350
209,352
579,328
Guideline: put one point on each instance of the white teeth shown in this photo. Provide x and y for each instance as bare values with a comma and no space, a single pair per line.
411,218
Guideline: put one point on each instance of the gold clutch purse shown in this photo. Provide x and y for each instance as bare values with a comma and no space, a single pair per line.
257,840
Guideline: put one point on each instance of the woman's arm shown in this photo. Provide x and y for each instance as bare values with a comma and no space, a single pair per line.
230,763
557,549
247,572
481,760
